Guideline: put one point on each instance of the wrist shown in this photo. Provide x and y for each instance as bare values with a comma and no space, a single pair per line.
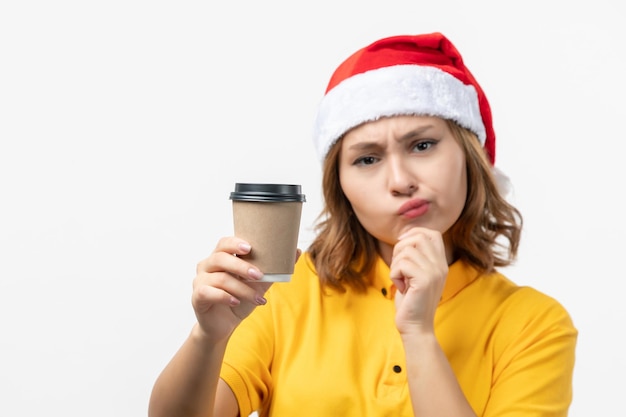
419,337
200,337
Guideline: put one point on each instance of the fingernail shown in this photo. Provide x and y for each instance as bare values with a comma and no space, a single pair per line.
245,247
255,273
260,300
234,302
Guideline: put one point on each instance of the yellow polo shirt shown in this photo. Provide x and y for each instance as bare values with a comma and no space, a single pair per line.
311,352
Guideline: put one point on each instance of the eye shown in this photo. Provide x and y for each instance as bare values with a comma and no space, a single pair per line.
423,145
365,160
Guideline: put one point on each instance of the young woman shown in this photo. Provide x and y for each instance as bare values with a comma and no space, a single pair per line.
397,308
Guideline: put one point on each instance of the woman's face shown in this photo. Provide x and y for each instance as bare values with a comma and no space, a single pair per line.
401,172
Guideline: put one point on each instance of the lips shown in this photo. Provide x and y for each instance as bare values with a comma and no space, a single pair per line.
413,208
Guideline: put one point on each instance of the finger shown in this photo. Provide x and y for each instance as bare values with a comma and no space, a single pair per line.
417,232
415,267
205,296
418,249
418,262
400,283
227,262
231,245
219,287
428,242
405,265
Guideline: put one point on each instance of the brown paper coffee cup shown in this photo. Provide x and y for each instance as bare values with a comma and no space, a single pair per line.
268,217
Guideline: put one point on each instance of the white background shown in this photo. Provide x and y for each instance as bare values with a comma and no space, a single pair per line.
125,124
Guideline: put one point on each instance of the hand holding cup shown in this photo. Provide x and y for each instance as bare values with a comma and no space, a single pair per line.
232,281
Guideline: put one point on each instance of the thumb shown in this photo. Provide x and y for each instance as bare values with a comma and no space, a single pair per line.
400,283
398,299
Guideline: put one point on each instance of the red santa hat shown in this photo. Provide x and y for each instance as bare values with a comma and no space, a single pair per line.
403,75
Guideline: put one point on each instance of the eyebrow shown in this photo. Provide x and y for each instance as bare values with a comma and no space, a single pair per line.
409,135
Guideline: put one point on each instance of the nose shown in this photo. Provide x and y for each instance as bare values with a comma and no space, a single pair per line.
401,180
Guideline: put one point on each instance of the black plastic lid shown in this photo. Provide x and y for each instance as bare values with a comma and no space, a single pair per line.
267,192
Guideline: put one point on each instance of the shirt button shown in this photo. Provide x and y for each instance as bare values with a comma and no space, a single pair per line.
397,369
384,291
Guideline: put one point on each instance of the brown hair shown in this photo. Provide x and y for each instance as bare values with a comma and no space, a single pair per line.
343,252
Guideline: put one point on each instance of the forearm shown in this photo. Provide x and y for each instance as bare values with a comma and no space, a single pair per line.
434,389
187,386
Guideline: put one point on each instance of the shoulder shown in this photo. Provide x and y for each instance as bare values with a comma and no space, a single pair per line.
526,301
494,301
525,312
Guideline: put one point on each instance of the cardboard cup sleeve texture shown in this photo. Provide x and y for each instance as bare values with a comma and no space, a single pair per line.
268,217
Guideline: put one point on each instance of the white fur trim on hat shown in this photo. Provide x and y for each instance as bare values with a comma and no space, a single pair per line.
393,91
